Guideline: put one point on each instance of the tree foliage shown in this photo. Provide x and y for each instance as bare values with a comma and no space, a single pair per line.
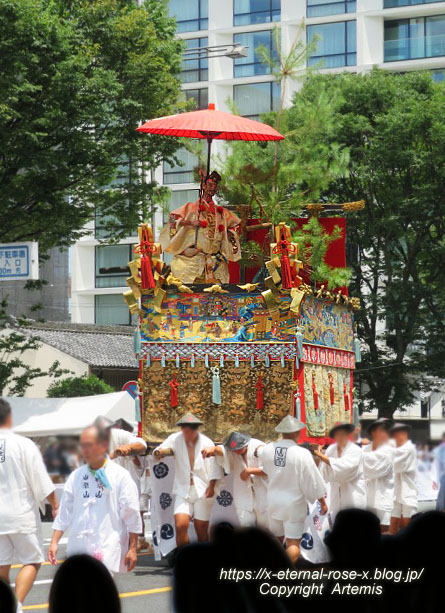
76,78
380,137
73,387
16,375
277,182
393,128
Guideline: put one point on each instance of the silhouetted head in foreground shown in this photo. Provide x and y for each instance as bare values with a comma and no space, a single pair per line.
7,599
82,584
355,538
202,577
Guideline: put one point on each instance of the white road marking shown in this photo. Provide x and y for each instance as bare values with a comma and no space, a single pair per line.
40,582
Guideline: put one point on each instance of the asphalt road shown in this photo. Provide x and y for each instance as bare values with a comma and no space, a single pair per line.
146,588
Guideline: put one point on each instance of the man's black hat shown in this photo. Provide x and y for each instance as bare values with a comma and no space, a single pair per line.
399,427
382,421
343,425
236,441
122,424
214,175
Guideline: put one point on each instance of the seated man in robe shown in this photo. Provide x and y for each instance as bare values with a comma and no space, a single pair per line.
202,238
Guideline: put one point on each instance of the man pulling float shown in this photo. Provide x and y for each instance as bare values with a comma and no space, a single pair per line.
239,456
294,480
195,478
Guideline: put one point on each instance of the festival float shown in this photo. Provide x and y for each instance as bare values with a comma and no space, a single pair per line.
239,354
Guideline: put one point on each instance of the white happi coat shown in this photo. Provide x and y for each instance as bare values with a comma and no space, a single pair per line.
379,474
294,479
100,519
24,484
204,470
122,437
405,474
250,495
346,477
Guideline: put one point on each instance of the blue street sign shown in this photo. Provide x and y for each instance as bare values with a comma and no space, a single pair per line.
18,261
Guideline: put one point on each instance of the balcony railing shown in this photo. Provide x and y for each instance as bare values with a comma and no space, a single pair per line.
414,48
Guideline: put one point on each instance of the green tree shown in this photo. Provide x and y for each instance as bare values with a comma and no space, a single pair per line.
76,78
393,128
16,375
88,385
276,182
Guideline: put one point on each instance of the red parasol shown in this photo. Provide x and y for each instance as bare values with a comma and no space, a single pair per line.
211,124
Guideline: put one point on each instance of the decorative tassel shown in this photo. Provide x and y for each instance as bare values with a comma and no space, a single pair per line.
148,360
355,414
297,363
206,360
283,363
286,277
137,409
192,361
297,405
314,392
163,360
177,360
331,388
252,361
147,280
299,339
346,396
357,351
174,392
221,361
267,361
259,393
216,386
237,360
137,342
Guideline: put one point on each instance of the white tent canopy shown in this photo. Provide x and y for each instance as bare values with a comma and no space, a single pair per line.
67,416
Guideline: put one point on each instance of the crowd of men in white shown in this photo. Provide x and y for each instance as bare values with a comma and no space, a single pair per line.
272,485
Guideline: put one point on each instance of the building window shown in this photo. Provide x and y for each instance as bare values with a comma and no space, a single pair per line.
247,12
177,199
254,99
200,96
438,75
253,65
110,309
337,44
112,265
191,15
389,4
183,171
410,39
196,69
105,225
320,8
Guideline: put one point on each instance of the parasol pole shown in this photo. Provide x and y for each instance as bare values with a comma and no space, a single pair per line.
209,150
